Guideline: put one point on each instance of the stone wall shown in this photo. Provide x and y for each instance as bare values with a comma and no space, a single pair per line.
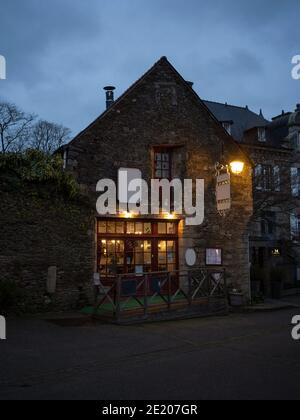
37,233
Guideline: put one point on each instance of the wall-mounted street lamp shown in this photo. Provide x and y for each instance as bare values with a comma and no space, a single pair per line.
237,167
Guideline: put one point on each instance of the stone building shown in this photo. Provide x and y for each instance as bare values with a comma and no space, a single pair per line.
161,128
274,149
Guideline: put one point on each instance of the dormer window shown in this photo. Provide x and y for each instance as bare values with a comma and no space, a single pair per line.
262,137
227,126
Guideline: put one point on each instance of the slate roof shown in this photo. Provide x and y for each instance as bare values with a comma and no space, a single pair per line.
243,118
278,130
131,88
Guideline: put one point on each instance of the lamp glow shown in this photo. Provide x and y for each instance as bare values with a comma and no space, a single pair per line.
237,167
127,215
170,216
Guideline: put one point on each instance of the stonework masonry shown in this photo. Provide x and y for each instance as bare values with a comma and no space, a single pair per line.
160,109
37,234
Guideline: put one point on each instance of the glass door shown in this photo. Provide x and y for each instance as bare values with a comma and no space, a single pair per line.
138,256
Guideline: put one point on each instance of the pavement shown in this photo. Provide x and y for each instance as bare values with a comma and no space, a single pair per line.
241,356
274,304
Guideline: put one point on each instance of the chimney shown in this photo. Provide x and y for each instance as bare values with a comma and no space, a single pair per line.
191,84
109,96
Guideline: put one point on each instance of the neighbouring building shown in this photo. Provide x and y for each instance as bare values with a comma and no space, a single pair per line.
161,127
274,149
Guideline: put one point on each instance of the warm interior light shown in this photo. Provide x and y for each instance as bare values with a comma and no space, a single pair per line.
170,216
127,215
237,167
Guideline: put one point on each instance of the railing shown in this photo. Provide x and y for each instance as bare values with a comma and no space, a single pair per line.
159,292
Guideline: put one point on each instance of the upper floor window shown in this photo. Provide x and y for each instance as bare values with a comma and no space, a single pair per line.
262,137
163,163
295,226
295,182
267,178
268,223
227,126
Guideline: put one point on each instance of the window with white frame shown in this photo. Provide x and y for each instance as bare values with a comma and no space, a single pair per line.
214,256
267,178
227,126
295,226
262,137
295,182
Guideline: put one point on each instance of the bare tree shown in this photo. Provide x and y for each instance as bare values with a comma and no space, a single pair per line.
15,126
48,137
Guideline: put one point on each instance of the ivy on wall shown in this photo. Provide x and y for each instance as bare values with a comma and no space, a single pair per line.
36,168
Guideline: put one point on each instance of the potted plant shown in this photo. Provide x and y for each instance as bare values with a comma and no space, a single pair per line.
236,296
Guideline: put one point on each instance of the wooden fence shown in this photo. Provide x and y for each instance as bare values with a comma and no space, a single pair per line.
148,294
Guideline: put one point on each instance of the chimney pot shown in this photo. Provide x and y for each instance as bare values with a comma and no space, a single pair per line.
109,95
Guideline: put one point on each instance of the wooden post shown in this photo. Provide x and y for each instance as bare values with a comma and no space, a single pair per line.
169,291
118,299
225,289
190,292
146,278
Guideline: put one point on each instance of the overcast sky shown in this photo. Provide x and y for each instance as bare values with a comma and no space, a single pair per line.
60,53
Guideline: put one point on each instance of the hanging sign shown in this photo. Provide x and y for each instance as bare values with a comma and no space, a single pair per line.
223,192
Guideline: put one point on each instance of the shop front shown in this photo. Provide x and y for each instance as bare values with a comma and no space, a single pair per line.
135,247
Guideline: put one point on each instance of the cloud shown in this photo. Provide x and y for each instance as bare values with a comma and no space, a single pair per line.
60,54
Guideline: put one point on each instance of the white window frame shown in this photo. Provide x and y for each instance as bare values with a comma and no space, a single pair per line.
227,127
258,172
261,134
295,226
264,175
295,181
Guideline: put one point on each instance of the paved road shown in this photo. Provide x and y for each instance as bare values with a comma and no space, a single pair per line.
236,357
